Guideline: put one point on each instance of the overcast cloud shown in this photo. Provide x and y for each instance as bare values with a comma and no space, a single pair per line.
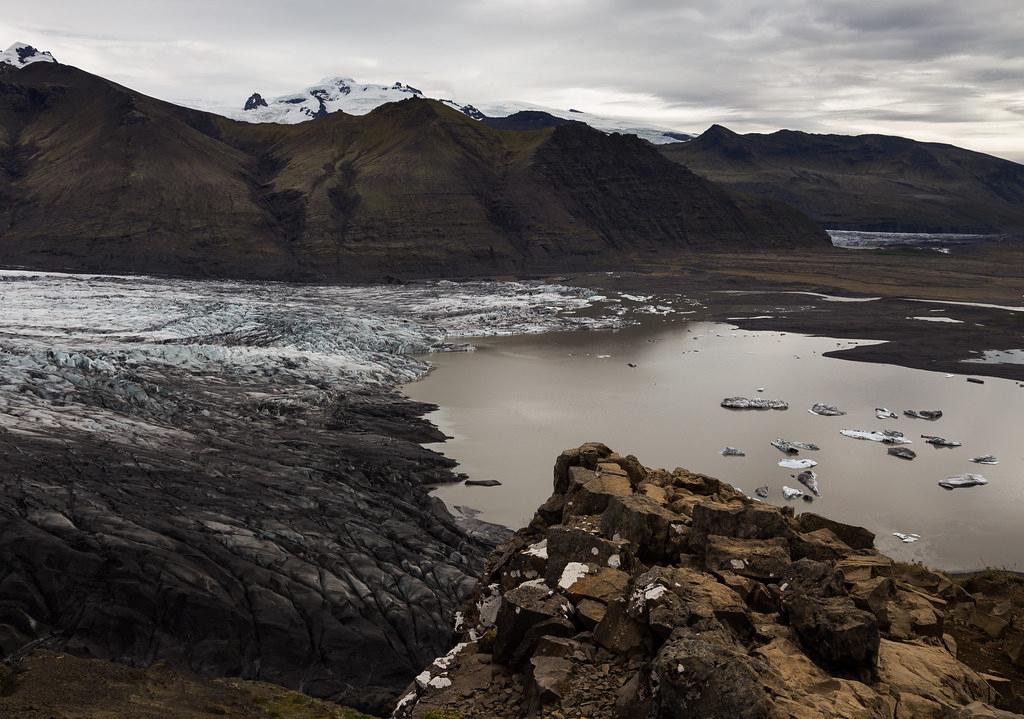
944,70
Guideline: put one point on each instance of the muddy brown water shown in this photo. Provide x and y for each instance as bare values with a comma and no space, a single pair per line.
516,402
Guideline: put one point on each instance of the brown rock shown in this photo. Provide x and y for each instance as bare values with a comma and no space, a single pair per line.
653,532
743,521
992,625
859,567
548,679
835,631
911,706
853,536
571,544
706,676
589,493
654,492
590,613
618,632
820,545
526,613
929,672
605,586
762,559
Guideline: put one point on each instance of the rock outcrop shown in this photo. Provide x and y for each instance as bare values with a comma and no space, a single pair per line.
640,592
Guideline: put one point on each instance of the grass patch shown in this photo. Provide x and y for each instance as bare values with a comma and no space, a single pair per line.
293,705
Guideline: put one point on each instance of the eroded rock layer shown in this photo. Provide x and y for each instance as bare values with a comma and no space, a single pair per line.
640,592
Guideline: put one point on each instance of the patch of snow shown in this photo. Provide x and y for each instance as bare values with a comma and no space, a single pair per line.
540,549
573,572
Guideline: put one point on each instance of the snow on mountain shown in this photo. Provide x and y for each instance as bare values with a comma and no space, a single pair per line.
346,95
332,94
19,55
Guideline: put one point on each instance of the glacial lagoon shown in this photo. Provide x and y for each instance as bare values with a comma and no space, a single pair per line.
517,401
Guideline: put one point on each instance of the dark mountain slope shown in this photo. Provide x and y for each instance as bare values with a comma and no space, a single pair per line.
98,177
868,182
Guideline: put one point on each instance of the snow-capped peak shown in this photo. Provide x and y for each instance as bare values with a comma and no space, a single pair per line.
343,94
332,94
19,55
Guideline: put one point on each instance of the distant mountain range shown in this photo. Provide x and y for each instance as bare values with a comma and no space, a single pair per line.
867,182
344,94
98,177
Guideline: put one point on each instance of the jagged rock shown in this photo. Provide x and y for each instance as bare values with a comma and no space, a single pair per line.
930,672
701,677
820,544
654,533
571,544
699,635
813,578
873,594
552,510
835,630
763,559
743,521
992,625
590,491
865,566
589,613
803,690
527,613
549,677
605,586
618,632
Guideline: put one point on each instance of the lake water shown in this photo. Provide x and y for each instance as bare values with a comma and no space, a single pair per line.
516,402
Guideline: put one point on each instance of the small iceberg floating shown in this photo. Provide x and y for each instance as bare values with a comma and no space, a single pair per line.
903,453
745,403
810,480
797,463
787,447
986,459
790,494
826,410
958,481
732,452
930,414
885,413
906,538
762,492
887,436
939,441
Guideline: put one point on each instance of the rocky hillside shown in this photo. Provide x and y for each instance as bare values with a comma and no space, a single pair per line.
646,593
96,177
867,182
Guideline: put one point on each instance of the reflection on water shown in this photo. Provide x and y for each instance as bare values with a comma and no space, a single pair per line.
513,405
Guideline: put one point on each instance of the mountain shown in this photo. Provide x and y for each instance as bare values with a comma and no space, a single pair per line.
866,182
343,94
20,55
98,177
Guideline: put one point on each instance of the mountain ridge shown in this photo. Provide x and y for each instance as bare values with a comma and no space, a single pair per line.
865,182
98,177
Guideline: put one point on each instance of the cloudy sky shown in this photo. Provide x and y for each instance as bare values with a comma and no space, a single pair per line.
943,70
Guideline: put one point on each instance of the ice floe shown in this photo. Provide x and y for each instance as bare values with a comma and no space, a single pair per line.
929,414
826,410
939,441
789,493
985,459
732,452
957,481
906,538
886,436
745,403
787,447
797,463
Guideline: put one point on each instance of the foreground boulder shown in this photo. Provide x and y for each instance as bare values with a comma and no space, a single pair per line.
670,595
